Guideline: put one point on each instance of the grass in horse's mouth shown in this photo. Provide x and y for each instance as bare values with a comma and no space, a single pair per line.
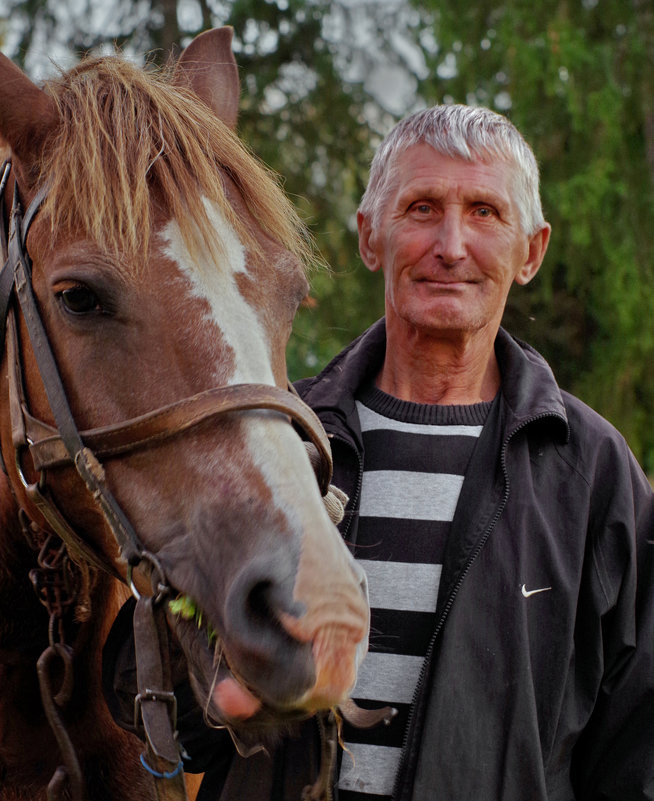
186,608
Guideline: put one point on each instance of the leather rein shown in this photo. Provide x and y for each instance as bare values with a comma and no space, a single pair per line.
52,447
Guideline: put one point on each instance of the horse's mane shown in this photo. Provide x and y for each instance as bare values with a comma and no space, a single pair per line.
126,130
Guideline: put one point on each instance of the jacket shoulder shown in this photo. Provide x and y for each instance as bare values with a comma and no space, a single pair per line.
338,382
596,448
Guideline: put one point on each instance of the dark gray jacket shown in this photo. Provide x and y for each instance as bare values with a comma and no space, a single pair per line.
527,695
539,684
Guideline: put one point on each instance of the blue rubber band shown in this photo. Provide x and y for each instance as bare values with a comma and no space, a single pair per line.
164,775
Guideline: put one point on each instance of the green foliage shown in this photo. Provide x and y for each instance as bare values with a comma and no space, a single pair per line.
302,119
297,114
576,78
185,607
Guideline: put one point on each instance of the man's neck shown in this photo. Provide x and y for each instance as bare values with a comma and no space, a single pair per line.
447,371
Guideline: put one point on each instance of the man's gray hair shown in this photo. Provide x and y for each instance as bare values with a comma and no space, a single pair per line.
471,133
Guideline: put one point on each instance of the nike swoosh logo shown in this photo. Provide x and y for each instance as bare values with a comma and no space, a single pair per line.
527,592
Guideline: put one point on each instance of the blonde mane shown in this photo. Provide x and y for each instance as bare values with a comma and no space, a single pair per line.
128,136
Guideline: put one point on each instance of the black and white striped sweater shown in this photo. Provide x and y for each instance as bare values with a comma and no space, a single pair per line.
415,461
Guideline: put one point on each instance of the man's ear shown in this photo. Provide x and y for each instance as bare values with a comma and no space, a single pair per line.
537,248
366,243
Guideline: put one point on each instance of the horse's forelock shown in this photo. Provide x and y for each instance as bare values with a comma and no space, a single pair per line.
128,136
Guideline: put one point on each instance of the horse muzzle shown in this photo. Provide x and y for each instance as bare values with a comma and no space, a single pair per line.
279,657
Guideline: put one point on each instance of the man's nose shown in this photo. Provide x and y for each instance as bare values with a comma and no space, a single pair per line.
450,245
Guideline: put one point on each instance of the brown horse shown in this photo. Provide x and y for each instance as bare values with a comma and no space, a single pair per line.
165,266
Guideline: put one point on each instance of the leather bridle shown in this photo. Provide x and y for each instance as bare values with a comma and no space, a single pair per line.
53,447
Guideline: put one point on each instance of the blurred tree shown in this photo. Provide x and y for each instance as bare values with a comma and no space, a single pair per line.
309,70
577,78
300,117
323,80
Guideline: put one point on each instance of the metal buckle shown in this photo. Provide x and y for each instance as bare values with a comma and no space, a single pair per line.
168,697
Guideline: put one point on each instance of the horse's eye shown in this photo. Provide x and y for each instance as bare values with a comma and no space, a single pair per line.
79,300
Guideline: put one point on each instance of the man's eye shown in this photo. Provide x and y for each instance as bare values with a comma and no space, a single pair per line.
484,211
79,300
421,208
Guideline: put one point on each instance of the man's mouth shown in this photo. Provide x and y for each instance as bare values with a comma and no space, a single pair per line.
445,283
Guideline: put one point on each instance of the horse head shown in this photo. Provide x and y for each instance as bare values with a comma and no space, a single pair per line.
167,266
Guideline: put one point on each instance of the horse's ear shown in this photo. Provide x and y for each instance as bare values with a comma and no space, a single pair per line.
208,67
27,114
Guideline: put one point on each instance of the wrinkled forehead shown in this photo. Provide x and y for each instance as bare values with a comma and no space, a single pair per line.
395,171
396,164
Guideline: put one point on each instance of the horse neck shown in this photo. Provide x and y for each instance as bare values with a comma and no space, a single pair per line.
23,619
25,736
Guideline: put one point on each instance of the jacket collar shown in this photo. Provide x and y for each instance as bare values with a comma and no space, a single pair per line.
529,389
336,386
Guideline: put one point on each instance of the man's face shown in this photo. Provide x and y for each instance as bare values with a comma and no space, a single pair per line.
450,244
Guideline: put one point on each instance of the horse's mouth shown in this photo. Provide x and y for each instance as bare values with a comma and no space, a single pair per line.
225,698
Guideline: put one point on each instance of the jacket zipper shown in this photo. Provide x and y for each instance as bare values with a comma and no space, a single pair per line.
354,500
450,601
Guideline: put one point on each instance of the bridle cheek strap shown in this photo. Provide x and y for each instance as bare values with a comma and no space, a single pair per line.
37,492
84,460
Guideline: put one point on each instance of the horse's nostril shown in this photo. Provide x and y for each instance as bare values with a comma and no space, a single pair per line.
262,592
259,603
267,656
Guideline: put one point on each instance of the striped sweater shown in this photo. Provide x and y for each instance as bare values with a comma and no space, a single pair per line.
415,461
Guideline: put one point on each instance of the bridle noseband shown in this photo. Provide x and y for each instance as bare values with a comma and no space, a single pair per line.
52,447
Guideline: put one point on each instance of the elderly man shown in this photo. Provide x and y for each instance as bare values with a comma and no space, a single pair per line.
505,528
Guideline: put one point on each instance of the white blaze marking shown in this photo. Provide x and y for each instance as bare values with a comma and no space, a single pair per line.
274,447
216,284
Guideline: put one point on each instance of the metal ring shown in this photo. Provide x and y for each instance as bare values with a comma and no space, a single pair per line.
159,583
18,452
130,583
5,176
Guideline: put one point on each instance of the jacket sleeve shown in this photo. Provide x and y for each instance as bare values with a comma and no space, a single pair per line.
614,757
207,749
